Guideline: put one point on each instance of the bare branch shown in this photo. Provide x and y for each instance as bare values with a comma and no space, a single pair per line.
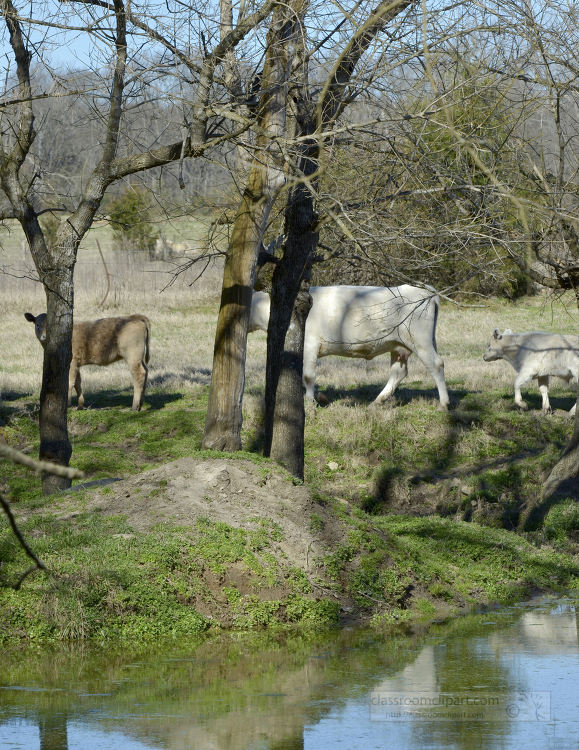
39,466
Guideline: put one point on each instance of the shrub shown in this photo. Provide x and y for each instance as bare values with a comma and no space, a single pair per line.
130,216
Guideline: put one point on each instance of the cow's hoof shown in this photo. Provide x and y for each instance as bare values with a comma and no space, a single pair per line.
547,412
321,398
522,406
442,407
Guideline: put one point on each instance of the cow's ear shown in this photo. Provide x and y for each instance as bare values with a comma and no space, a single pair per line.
497,334
507,330
30,317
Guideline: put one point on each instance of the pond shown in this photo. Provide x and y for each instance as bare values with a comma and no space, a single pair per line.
504,679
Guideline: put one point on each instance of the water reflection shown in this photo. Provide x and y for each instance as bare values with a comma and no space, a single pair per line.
290,691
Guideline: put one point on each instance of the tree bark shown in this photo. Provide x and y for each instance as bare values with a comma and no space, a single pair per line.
290,299
55,445
284,397
290,305
565,473
224,414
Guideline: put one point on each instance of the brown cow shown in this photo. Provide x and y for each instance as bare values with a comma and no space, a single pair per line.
102,342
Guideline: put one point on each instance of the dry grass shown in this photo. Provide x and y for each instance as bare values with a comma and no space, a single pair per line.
183,319
183,315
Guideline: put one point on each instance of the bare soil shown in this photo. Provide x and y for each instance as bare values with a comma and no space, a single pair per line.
232,491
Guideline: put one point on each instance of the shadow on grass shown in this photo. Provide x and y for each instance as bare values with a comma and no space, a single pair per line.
475,543
368,393
384,485
497,489
15,402
566,492
187,376
257,441
115,399
11,399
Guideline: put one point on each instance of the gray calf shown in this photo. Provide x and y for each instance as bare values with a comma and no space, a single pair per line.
536,355
102,342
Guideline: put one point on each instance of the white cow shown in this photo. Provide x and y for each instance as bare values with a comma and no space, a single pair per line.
536,355
365,321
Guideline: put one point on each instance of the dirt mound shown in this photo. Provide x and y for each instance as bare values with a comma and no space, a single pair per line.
236,492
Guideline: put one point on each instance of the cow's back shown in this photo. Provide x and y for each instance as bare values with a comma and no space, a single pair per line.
547,353
361,321
108,340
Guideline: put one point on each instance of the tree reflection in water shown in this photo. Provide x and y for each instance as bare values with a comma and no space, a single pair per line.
260,690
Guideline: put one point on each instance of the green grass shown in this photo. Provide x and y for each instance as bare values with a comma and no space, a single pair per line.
149,585
426,505
393,458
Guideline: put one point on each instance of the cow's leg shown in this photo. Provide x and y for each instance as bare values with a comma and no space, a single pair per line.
309,373
435,366
75,382
522,379
139,371
544,388
398,371
572,379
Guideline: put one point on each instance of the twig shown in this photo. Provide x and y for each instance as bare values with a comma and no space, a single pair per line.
40,466
367,596
107,273
39,565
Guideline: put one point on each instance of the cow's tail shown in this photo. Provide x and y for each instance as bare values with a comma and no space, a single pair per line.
436,303
147,323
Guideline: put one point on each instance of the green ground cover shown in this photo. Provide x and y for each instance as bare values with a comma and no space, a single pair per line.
430,510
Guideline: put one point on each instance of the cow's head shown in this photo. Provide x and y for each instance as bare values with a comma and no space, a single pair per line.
39,326
494,347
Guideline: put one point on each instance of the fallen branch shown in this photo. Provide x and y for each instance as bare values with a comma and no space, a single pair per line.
40,467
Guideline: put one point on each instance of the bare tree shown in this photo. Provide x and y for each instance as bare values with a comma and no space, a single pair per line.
291,302
545,188
311,123
266,178
21,174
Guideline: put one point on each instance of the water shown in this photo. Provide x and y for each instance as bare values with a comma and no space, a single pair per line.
508,679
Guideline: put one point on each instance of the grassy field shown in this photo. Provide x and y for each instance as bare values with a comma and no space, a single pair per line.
438,486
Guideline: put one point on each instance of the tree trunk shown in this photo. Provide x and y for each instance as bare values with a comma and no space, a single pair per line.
565,473
284,396
55,268
54,441
290,305
266,178
290,299
224,416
